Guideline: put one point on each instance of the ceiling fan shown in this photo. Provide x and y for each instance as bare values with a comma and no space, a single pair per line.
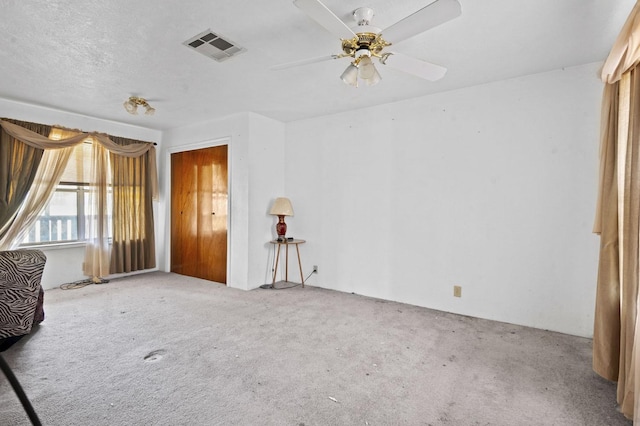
364,41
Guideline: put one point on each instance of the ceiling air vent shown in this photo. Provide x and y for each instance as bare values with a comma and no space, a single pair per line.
214,46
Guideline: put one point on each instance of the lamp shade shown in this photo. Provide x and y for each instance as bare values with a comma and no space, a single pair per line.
350,75
282,207
375,77
366,68
131,107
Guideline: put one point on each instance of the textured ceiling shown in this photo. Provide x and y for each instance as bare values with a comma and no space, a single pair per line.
89,56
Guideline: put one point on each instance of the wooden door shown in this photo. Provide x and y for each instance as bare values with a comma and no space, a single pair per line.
199,208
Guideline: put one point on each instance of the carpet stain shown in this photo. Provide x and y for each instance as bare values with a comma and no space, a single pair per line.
155,356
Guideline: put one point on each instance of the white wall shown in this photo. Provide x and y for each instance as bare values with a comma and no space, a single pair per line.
490,187
266,183
255,143
64,263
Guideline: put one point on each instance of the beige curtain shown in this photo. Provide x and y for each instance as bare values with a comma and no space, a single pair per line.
97,253
96,258
18,165
616,350
133,246
46,180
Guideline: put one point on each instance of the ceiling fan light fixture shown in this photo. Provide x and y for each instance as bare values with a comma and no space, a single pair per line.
362,68
363,41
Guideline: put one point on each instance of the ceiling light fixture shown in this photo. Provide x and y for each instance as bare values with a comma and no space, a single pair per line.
362,68
131,105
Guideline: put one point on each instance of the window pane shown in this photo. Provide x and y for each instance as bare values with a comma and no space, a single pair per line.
77,169
59,221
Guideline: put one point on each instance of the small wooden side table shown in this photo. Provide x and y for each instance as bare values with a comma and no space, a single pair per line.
287,243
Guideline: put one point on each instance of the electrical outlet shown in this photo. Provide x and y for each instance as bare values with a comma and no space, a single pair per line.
315,269
457,291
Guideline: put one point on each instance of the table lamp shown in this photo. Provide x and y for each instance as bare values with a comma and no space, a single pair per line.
281,208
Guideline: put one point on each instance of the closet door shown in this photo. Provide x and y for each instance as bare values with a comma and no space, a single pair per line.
199,209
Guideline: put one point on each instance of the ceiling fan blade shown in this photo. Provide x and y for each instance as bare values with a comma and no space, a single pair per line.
417,67
304,62
325,17
430,16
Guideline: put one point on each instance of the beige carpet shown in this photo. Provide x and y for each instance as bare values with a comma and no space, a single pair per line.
163,349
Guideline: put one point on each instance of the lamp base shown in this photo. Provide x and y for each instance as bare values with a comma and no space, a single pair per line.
281,228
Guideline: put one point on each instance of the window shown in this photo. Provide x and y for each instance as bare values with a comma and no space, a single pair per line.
66,217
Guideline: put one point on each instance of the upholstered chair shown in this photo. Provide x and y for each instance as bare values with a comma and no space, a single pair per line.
21,294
